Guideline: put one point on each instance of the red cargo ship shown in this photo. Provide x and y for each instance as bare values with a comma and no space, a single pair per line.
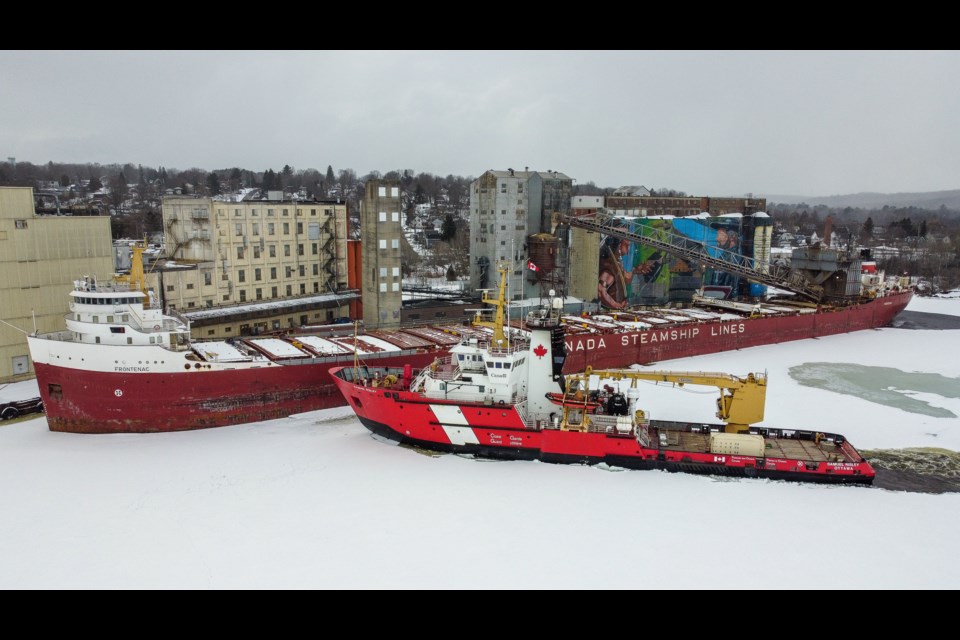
511,400
124,366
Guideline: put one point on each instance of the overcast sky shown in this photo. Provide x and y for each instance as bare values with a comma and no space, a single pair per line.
707,123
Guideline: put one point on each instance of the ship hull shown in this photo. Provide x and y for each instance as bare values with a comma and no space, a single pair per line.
83,401
87,389
616,350
498,432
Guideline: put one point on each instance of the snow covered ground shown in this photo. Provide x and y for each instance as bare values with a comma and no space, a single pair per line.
314,501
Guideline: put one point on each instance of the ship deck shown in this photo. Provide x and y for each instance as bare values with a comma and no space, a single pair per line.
789,448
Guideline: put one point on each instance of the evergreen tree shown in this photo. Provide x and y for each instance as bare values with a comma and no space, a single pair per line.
95,184
922,232
451,273
410,211
118,191
448,229
269,180
330,178
213,184
867,230
64,180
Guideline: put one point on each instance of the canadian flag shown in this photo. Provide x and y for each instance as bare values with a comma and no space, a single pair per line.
532,266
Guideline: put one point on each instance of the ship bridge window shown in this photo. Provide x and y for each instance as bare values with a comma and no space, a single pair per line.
118,329
498,365
489,365
506,365
460,357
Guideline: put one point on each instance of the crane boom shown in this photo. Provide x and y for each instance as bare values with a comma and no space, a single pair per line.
741,402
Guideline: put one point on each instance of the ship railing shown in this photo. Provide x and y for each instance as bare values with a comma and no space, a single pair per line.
176,314
610,424
143,325
62,336
446,369
515,346
520,404
103,287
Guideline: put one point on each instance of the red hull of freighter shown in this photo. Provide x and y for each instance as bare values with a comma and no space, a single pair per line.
614,350
103,402
87,401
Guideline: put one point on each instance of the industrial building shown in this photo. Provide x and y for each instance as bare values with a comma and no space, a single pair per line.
506,209
655,205
40,258
380,246
237,267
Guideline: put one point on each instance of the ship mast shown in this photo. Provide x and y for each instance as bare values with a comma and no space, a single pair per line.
500,302
136,279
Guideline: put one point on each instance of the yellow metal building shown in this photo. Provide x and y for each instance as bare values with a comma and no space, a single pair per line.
40,257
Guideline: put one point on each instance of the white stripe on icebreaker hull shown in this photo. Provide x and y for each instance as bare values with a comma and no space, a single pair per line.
448,414
460,435
454,424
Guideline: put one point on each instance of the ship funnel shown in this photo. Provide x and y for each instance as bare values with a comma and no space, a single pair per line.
545,361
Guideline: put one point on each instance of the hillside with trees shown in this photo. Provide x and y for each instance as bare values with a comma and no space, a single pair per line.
917,233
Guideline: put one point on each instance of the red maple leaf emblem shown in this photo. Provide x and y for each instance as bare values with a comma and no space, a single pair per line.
540,351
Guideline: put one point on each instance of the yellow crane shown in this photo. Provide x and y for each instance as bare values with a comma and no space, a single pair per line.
741,402
500,305
136,279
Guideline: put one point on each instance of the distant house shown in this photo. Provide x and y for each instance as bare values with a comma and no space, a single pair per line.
632,190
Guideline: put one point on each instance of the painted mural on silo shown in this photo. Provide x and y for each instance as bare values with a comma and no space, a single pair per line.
633,274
